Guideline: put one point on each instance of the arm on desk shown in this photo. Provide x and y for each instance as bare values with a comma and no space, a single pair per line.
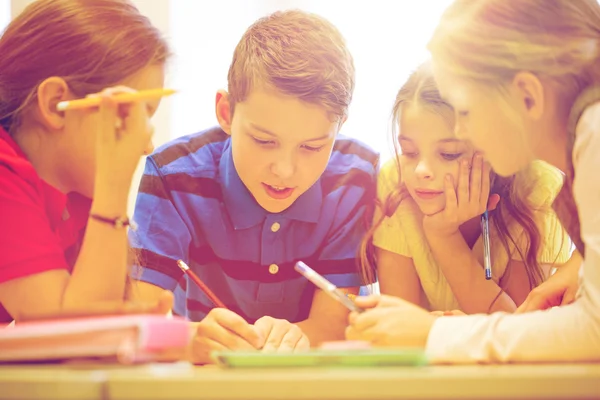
37,278
327,319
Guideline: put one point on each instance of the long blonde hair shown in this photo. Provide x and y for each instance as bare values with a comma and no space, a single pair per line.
489,41
513,208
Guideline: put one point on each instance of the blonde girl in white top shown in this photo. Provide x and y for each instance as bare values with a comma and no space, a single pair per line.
522,76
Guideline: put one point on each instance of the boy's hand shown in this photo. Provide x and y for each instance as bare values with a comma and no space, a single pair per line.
223,329
281,335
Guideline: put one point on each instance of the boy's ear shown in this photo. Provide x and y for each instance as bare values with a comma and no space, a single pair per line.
49,93
223,110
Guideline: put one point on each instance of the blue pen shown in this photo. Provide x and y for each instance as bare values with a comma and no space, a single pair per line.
485,232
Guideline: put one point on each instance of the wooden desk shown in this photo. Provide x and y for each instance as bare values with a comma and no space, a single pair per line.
185,382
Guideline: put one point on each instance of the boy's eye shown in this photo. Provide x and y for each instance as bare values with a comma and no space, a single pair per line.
451,156
262,142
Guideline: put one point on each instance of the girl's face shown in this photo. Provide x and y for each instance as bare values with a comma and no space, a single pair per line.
483,119
429,152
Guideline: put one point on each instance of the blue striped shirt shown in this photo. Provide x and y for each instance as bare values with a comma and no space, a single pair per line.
193,206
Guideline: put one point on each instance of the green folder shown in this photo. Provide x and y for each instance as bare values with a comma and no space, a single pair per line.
321,358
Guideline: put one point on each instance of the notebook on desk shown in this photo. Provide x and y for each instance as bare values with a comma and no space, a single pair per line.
124,338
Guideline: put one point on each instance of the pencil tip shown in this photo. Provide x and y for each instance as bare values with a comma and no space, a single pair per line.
182,265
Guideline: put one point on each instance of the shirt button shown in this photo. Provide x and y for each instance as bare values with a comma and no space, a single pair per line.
275,227
273,269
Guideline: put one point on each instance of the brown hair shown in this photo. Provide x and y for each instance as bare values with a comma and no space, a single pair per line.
489,41
91,44
298,54
513,208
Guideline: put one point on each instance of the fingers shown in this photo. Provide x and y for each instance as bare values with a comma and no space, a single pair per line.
283,338
202,347
302,345
369,334
476,190
107,119
536,300
463,182
365,302
229,329
123,118
366,319
568,298
264,325
451,198
280,335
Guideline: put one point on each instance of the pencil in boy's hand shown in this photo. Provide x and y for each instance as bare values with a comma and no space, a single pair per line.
186,270
119,98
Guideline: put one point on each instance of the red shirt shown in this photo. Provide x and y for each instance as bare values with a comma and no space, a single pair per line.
41,228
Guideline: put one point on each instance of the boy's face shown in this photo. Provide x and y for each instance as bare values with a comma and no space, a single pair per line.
280,146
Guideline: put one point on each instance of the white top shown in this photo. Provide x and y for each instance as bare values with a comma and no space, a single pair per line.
569,333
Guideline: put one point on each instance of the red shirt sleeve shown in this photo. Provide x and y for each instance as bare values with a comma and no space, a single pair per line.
28,244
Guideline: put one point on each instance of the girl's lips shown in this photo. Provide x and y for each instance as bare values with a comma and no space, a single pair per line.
427,194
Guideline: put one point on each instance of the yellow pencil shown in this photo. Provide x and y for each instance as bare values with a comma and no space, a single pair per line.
119,98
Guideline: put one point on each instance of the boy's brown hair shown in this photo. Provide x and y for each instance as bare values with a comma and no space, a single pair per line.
298,54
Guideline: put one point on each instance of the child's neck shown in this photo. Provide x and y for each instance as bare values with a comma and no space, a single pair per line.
471,230
40,153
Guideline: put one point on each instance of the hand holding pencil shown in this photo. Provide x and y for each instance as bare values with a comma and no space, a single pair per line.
119,119
119,98
221,329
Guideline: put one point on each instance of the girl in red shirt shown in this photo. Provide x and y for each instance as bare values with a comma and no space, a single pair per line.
65,176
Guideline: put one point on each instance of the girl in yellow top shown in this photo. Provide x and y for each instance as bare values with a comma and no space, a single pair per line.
412,261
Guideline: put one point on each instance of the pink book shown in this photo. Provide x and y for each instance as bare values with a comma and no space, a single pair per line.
126,338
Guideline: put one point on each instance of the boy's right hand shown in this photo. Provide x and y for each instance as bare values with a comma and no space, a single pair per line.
223,329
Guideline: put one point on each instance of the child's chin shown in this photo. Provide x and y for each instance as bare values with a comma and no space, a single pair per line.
430,209
276,206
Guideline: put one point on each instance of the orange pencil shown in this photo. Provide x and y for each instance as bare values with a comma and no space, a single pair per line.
186,270
119,98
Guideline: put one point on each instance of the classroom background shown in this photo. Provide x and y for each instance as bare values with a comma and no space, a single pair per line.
386,38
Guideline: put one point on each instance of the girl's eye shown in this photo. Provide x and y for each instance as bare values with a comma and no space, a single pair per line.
408,153
451,156
463,113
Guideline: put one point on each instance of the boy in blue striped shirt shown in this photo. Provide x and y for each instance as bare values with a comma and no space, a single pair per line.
273,184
